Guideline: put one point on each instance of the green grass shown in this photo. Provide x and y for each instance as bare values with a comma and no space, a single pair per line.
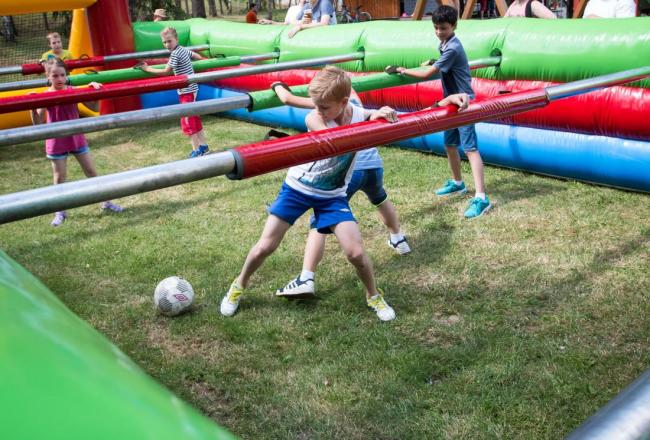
517,325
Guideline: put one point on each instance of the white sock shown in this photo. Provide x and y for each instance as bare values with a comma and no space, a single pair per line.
458,182
394,238
480,196
306,275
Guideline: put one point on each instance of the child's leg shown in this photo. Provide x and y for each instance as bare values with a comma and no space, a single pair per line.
388,216
349,237
453,157
194,140
87,165
272,236
314,250
59,170
476,163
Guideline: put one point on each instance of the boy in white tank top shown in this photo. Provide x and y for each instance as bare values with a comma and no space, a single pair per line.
320,185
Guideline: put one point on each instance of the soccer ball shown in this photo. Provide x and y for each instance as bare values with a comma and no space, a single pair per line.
173,296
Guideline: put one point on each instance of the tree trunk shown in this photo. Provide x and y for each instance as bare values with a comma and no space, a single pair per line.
270,4
212,8
178,4
45,22
198,8
187,7
221,6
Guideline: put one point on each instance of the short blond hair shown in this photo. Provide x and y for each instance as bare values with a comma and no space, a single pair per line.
330,84
169,30
51,35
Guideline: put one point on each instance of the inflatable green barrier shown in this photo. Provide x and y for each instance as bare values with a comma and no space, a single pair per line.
61,379
548,50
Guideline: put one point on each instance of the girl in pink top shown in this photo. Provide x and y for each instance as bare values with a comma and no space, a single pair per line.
529,8
58,149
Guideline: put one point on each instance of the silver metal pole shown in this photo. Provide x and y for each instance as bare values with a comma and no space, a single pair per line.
149,53
485,62
626,417
254,70
23,84
111,58
26,204
598,82
127,119
11,69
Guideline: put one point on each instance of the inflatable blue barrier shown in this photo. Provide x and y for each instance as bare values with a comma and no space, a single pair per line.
610,161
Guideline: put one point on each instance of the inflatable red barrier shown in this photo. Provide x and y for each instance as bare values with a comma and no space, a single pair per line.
264,157
615,111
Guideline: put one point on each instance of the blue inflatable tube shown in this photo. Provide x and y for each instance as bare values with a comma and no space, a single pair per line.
620,163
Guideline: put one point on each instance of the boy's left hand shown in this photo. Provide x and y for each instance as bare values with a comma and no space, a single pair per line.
385,112
94,85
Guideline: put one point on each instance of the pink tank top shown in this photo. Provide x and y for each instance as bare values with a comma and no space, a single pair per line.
64,112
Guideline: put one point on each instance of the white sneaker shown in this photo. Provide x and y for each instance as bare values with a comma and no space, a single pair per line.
401,247
380,306
298,289
230,302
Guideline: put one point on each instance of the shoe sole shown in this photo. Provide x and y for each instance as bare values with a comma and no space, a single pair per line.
300,295
487,208
453,194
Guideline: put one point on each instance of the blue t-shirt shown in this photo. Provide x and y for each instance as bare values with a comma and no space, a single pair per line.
454,68
319,9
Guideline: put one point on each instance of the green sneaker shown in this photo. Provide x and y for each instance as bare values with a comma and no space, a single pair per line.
380,306
230,302
478,207
451,189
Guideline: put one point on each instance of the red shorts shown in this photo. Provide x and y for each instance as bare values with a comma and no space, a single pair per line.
190,124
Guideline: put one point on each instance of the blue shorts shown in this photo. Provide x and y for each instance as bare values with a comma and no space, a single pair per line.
371,182
291,204
464,136
80,151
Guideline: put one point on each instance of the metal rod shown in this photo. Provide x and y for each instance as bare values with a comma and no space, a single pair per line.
33,83
598,82
117,120
54,198
149,53
110,58
11,69
626,417
254,70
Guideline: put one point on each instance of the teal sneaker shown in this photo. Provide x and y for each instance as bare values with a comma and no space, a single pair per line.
451,189
478,207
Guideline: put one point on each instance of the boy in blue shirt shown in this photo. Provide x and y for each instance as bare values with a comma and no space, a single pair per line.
454,71
320,185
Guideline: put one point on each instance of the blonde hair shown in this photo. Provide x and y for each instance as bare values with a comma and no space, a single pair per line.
51,35
53,63
169,30
330,84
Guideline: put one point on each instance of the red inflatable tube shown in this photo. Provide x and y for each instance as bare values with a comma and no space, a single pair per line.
264,157
85,94
29,69
615,111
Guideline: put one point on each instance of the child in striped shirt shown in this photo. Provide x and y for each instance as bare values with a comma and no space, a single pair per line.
180,62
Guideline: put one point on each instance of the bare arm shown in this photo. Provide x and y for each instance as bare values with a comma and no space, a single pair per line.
197,56
93,105
158,72
315,122
461,100
287,97
324,21
37,115
541,11
385,112
418,73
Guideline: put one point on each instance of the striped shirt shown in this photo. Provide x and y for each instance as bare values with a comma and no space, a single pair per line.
180,60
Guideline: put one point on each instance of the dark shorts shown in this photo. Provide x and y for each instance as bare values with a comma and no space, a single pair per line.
291,204
80,151
464,137
371,182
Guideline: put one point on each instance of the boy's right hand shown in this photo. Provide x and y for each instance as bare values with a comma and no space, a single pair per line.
385,112
141,65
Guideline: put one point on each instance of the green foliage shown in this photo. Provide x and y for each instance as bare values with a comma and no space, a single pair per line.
517,325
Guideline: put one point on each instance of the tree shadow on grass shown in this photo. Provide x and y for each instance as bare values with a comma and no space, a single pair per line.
132,216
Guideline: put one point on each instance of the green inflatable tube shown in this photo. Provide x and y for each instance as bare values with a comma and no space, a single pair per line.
546,50
110,76
61,379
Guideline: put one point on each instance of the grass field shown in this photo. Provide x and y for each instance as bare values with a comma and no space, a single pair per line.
517,325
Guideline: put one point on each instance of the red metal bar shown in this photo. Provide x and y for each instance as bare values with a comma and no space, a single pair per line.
267,156
29,69
85,94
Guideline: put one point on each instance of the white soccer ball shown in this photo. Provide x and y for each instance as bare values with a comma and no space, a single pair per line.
173,296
